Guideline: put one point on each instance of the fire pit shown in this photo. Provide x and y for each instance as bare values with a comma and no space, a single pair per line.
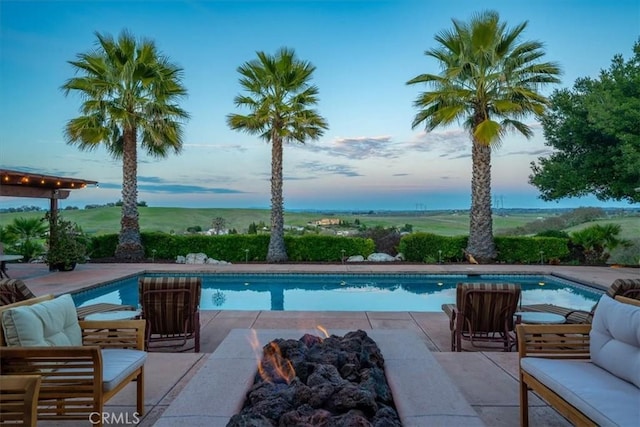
422,392
333,381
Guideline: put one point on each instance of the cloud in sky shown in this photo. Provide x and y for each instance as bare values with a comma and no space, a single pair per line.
154,184
453,143
317,167
533,152
220,147
357,148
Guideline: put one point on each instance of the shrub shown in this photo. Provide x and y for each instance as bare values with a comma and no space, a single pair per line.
319,248
596,242
627,254
67,244
427,247
530,249
553,233
386,240
103,246
239,247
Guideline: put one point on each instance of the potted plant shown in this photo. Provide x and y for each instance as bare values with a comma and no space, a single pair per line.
67,245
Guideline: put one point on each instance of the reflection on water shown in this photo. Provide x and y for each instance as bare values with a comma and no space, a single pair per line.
394,292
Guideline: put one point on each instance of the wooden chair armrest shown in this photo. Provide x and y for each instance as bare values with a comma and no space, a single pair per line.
113,333
19,398
71,377
628,300
566,341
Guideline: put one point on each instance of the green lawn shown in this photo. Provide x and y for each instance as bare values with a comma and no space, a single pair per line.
107,220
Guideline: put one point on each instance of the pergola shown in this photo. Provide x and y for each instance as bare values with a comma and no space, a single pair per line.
25,184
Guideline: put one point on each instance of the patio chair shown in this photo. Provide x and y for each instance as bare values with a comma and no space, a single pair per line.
483,312
19,399
170,306
15,290
81,364
620,287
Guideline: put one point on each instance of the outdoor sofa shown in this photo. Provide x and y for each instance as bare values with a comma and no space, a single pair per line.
590,373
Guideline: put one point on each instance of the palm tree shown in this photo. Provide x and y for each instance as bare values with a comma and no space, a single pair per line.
25,236
129,93
489,81
278,97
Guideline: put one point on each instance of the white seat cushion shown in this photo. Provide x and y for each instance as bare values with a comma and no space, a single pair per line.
601,396
117,364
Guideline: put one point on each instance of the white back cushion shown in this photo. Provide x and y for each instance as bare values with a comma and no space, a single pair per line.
49,323
615,339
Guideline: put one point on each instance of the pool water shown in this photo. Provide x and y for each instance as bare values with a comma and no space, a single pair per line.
346,292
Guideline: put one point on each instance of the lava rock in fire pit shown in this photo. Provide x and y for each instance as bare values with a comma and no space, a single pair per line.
331,382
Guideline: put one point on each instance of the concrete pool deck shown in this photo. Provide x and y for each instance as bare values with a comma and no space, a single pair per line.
487,379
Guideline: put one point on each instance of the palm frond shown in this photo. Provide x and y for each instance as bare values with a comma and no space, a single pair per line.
126,83
486,71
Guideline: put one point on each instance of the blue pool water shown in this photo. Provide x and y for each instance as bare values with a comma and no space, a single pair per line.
346,292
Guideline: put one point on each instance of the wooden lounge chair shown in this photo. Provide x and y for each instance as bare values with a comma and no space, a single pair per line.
483,312
81,364
625,287
170,306
19,399
15,290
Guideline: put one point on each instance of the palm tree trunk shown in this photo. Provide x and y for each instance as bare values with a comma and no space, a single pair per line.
481,245
277,250
129,242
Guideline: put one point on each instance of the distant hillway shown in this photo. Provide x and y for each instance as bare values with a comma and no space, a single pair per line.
105,220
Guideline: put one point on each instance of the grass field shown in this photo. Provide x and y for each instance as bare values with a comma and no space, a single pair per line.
107,220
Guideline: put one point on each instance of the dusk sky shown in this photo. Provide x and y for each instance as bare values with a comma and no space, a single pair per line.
364,52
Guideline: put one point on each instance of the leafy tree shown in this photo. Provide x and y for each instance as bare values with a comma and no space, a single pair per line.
594,131
490,80
218,224
407,228
279,98
129,92
253,228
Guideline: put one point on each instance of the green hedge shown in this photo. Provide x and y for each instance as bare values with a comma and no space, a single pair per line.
531,249
424,247
238,247
431,248
103,246
326,248
416,247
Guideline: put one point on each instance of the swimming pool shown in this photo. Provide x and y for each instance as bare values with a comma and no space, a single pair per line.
346,292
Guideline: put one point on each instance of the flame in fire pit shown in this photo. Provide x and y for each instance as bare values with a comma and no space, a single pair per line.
323,330
272,367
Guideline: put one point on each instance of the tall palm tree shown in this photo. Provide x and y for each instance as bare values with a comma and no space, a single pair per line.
489,81
130,93
278,96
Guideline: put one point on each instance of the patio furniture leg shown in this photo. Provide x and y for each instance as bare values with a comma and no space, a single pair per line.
140,390
524,403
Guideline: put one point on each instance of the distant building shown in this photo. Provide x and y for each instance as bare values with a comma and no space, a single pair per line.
326,221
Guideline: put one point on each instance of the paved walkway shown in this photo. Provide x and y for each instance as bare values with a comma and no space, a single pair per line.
487,379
